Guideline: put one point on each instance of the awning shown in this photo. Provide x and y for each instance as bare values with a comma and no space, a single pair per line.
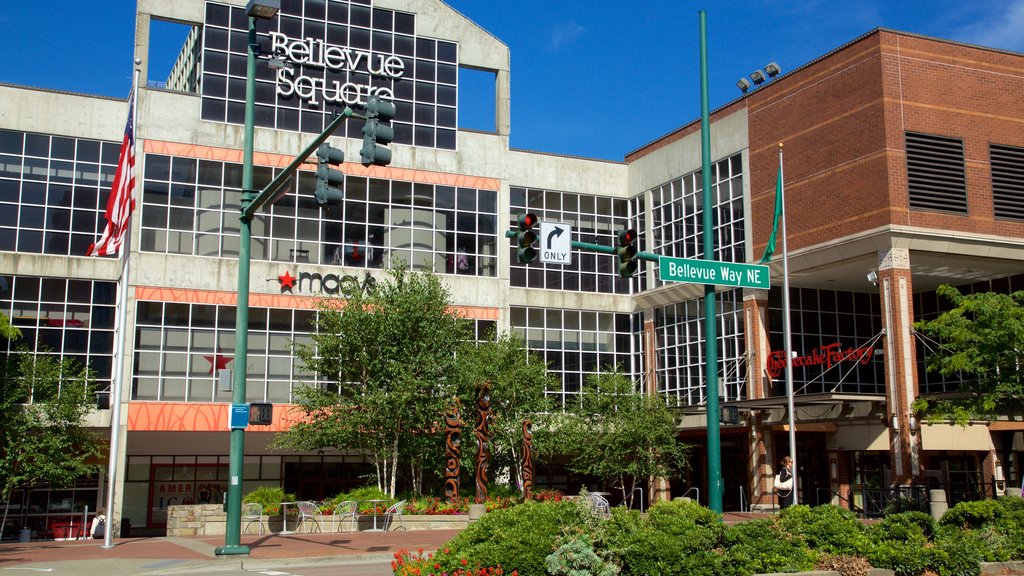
860,437
972,437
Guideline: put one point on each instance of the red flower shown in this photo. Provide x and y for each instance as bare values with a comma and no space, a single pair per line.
464,561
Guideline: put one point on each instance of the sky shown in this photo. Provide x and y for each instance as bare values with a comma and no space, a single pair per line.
590,78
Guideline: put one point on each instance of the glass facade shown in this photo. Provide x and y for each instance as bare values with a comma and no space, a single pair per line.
679,333
70,319
594,219
180,348
836,339
190,206
577,343
53,192
677,214
340,52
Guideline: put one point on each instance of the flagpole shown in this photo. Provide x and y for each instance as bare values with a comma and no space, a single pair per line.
120,335
787,330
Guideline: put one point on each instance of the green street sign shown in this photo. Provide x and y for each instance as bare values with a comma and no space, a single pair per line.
713,272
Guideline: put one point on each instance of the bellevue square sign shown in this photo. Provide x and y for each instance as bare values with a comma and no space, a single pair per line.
311,52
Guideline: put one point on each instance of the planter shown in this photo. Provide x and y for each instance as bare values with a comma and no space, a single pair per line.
210,520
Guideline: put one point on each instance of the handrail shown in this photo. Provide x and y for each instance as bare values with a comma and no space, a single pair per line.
849,503
693,488
635,488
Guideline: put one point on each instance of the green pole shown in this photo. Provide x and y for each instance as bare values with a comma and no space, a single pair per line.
715,488
233,527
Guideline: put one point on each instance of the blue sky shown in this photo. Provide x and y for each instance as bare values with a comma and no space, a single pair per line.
592,78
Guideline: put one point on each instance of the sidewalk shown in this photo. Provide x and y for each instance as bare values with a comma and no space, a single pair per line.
175,554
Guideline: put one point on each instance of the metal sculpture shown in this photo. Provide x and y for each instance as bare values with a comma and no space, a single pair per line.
527,457
453,450
483,437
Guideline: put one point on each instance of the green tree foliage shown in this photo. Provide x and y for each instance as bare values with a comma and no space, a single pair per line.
518,379
392,353
43,402
619,434
982,339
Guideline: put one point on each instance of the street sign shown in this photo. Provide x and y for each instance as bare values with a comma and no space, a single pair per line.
713,272
238,416
555,243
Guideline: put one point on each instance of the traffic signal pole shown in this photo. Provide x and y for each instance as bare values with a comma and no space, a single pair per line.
646,256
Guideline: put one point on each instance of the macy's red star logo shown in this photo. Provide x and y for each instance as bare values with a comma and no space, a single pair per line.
218,361
287,281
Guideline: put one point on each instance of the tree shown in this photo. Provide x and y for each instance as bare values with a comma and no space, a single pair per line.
519,379
43,402
620,435
982,340
390,354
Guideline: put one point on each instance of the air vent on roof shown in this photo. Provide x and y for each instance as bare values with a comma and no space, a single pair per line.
935,173
1007,181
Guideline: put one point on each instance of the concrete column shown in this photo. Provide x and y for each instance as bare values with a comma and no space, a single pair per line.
901,387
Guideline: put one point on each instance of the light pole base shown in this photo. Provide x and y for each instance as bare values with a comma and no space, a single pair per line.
231,550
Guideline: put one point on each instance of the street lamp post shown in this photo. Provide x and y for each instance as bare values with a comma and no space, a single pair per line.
263,9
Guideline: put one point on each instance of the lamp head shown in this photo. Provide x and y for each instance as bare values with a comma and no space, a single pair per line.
772,69
263,9
743,84
758,77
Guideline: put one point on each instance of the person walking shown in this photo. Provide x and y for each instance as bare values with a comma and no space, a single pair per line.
98,529
784,483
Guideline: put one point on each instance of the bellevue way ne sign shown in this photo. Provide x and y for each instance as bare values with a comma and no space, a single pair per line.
713,272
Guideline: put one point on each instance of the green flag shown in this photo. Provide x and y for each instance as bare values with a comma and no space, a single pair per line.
769,250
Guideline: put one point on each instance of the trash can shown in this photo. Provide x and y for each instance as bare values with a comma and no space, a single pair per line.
126,528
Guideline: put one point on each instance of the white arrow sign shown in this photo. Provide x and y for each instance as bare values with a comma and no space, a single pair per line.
555,243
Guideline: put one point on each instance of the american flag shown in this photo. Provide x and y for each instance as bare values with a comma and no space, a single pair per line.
122,195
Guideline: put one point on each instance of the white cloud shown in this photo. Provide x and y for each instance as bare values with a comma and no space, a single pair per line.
565,33
1004,29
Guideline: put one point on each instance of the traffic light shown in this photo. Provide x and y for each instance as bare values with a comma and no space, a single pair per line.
626,250
327,178
377,133
526,237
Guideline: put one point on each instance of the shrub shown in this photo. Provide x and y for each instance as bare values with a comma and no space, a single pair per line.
270,497
577,558
899,543
516,538
916,526
972,514
676,538
826,528
761,547
961,551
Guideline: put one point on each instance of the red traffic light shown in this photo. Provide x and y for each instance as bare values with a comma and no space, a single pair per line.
627,237
527,221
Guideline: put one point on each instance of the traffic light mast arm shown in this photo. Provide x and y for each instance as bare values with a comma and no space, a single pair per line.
249,209
648,256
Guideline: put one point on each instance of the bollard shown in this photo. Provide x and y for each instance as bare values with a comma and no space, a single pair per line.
937,504
476,512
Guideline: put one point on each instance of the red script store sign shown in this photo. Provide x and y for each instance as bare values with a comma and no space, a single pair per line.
827,356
